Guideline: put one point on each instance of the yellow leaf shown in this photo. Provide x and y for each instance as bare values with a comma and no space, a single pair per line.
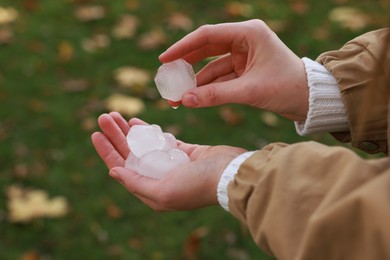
96,42
129,106
152,40
180,21
126,27
349,18
65,51
239,9
90,13
8,15
26,205
131,77
270,119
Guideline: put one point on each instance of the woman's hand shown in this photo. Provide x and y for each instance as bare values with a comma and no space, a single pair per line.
190,186
254,67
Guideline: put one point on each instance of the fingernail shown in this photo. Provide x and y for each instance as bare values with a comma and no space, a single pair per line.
190,100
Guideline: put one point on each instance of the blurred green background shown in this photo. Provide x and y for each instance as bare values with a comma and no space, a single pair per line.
61,60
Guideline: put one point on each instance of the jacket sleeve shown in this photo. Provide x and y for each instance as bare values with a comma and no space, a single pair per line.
310,201
353,67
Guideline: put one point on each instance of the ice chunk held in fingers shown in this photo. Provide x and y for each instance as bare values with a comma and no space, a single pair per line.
173,79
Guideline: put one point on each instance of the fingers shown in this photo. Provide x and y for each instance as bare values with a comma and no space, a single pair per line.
137,121
107,151
121,122
214,70
114,133
208,40
216,93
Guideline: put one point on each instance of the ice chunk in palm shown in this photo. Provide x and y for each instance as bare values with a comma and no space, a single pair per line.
152,152
170,142
132,162
175,78
145,138
158,163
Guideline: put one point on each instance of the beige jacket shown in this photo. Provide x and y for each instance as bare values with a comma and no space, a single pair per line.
311,201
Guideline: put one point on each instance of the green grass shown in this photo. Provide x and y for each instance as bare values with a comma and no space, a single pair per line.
44,143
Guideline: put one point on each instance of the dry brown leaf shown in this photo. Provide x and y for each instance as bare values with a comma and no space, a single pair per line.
96,42
128,106
300,7
349,18
180,21
31,255
132,5
135,243
90,13
6,35
270,119
126,27
75,85
152,40
30,5
239,9
192,244
113,211
131,77
25,205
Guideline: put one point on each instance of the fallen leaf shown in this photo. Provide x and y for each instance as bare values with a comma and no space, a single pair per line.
270,119
300,7
75,85
349,18
96,42
31,255
6,36
90,13
30,5
25,205
230,116
180,21
113,211
239,9
135,243
8,15
21,170
129,106
152,40
88,124
132,5
65,51
131,77
192,244
126,27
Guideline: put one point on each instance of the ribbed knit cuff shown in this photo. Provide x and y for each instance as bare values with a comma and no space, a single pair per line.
326,109
227,176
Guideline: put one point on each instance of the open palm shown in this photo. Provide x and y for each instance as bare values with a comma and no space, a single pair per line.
189,186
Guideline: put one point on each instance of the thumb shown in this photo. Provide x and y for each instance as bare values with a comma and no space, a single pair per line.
133,182
213,94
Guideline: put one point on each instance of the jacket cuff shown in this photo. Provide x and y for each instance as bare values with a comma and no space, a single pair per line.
326,109
227,176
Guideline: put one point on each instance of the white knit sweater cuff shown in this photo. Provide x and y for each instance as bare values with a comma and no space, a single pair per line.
326,109
227,176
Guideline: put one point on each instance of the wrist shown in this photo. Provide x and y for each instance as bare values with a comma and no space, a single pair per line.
227,176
